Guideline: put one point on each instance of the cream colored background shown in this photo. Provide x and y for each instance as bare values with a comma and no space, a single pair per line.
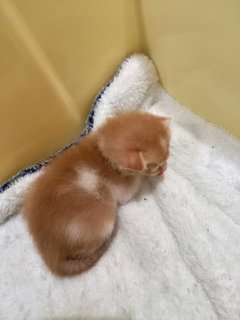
196,47
55,56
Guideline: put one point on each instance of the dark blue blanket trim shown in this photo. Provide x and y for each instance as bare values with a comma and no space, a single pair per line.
86,131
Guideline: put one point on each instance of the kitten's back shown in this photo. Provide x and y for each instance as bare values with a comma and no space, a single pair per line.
71,224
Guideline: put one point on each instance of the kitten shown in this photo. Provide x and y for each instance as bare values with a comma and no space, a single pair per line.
71,208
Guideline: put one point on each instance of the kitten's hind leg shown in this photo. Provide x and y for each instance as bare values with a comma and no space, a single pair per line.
79,263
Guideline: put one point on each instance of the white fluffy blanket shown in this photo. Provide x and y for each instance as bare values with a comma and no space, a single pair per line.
177,251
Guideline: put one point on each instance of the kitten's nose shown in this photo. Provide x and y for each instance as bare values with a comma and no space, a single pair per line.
161,169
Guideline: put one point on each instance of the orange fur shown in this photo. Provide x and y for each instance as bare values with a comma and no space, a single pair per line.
71,208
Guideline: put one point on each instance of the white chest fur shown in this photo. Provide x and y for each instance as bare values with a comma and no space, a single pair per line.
123,194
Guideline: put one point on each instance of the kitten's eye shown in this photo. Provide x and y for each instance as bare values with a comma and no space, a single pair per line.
151,166
160,166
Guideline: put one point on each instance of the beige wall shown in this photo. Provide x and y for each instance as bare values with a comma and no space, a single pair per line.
84,40
36,114
196,47
55,56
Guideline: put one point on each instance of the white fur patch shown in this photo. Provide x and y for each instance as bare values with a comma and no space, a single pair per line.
121,194
108,229
74,231
163,142
88,179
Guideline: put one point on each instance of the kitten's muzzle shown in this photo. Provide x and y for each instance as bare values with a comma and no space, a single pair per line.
160,170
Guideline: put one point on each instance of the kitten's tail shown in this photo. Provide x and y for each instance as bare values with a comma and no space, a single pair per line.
74,266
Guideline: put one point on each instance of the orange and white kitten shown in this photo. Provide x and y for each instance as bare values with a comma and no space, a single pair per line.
71,208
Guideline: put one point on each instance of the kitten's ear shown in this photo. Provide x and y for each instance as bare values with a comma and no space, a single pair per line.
166,121
132,160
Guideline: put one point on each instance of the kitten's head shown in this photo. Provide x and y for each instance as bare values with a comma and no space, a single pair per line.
136,142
